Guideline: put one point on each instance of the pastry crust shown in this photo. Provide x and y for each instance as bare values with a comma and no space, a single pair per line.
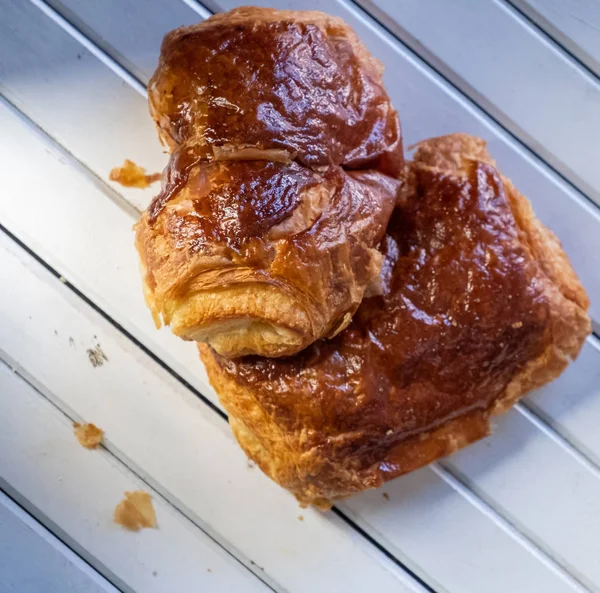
283,175
262,257
480,305
300,82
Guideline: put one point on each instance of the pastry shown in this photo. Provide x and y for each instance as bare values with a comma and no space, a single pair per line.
478,306
275,84
285,156
264,257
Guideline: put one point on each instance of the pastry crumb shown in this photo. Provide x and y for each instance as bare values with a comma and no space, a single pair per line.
517,325
208,570
385,495
132,175
88,435
300,518
96,356
135,511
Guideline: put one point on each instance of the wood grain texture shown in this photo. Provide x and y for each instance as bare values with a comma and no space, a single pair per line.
488,51
32,560
574,24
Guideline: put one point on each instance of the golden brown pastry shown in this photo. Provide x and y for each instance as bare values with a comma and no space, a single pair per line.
260,256
479,306
298,84
281,182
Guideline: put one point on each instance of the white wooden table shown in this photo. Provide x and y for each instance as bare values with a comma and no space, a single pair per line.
518,512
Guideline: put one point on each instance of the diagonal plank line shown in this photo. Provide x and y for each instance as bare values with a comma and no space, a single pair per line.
74,162
94,49
121,455
127,77
33,514
344,517
198,7
560,439
112,321
534,24
476,497
419,53
121,458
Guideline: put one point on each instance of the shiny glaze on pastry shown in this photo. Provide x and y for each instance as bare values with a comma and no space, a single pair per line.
300,82
264,256
285,153
479,305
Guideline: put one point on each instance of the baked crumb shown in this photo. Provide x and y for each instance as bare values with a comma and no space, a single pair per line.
135,511
208,570
517,325
88,435
300,518
385,495
96,356
132,175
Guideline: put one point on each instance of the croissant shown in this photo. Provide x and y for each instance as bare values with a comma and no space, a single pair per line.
479,305
285,156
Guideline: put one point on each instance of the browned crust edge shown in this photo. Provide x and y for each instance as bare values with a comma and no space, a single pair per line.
313,477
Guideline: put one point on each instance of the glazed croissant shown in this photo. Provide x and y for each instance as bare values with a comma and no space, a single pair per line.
283,175
479,305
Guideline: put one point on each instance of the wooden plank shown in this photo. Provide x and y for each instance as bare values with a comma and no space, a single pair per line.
159,423
575,24
109,25
542,488
571,404
79,101
87,237
528,84
411,517
32,560
171,439
41,461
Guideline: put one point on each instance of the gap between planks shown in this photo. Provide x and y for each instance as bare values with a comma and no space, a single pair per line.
420,53
110,62
157,490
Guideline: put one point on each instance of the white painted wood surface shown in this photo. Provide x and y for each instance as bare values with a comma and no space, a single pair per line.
527,498
76,490
575,24
123,29
32,560
490,52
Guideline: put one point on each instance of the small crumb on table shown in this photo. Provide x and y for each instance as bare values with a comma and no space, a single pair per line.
88,435
132,175
97,356
135,511
386,495
300,518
